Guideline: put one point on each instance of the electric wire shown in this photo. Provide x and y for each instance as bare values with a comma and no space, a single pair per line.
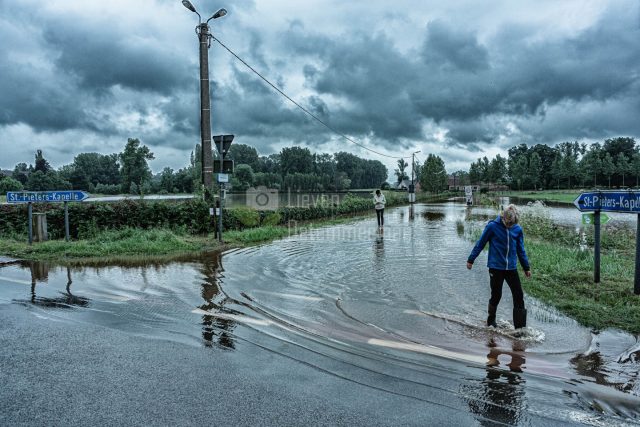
316,118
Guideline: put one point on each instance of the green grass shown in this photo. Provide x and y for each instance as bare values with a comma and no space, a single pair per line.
563,277
560,196
155,243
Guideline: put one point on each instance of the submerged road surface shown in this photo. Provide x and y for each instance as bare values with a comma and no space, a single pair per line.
341,325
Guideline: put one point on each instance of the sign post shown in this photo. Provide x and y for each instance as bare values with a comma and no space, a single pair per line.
223,142
611,201
31,197
636,277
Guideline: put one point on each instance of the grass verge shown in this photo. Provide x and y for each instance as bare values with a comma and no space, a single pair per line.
563,278
556,196
154,243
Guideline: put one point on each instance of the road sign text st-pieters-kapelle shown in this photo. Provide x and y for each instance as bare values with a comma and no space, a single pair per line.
46,196
609,201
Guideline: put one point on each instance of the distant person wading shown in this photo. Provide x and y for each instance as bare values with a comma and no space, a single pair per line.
379,202
506,247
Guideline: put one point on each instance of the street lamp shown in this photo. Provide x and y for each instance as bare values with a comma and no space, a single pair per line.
204,36
412,187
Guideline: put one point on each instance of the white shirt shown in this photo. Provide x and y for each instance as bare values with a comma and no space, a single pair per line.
379,201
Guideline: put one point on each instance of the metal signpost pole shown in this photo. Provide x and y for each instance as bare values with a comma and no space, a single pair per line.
30,214
66,221
596,255
636,279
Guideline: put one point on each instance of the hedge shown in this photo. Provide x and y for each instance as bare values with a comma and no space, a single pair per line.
191,216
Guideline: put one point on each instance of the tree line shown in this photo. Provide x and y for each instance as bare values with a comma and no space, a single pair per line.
128,172
613,163
297,168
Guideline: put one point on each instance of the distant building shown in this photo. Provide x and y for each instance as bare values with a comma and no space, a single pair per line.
455,185
404,185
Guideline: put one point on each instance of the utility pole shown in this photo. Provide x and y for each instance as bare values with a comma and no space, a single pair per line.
412,187
205,111
204,38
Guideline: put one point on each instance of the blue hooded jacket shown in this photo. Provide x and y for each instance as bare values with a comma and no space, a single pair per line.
506,246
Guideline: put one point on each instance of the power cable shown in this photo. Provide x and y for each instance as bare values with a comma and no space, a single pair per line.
303,108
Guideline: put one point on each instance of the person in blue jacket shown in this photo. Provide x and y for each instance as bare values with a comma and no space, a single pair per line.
506,247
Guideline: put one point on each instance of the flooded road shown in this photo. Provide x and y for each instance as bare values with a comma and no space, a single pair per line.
396,312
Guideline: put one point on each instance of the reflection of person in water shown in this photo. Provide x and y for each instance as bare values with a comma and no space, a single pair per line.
517,355
506,247
501,398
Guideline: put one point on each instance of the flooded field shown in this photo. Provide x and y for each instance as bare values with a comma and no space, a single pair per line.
396,311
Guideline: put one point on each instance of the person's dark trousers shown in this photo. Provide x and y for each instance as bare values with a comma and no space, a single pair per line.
513,281
380,215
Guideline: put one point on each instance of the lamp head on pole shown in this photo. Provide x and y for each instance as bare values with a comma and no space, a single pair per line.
188,5
220,13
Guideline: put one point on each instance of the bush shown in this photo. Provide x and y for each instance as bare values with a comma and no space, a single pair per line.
10,184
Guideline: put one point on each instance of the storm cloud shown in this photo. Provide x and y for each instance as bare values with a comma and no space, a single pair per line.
79,77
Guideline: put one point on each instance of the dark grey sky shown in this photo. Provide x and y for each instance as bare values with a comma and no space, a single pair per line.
459,80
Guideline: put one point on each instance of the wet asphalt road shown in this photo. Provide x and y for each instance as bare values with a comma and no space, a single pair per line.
59,373
67,374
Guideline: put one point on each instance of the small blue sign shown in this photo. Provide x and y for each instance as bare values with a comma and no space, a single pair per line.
609,201
46,196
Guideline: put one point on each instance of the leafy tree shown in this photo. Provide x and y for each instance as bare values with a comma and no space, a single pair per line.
497,170
623,166
608,167
134,167
433,177
400,172
243,154
535,168
475,175
556,169
295,160
635,166
592,163
615,146
21,172
40,181
167,180
519,170
42,164
242,178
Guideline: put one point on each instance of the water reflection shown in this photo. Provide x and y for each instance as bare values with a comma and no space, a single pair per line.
40,274
214,329
500,397
433,216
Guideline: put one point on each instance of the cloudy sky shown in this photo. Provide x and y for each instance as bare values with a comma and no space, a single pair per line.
460,79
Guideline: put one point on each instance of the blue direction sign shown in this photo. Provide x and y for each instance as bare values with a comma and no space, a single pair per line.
46,196
609,201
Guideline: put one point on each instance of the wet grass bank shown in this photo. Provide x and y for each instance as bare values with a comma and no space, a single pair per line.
114,245
553,196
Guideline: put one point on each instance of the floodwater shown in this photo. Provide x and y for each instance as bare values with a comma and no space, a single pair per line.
396,311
